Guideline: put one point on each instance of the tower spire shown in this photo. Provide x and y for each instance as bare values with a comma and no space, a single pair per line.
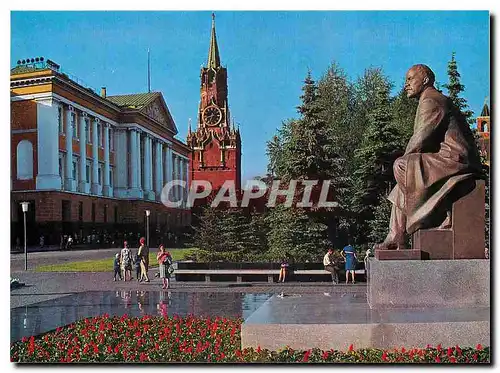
189,126
213,51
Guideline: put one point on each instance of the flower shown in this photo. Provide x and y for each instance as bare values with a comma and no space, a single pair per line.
384,356
479,347
453,359
438,359
351,348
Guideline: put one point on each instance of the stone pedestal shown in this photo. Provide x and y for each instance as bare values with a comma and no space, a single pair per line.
429,283
465,239
400,255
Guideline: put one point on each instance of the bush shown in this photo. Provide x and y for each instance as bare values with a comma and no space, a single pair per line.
197,339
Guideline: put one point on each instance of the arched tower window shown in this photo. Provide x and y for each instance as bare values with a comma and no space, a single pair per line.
24,160
485,126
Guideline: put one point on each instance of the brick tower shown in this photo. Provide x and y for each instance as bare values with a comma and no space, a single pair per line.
215,144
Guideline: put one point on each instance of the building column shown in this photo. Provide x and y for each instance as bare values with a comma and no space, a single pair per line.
174,176
47,143
134,164
82,183
120,189
140,160
181,177
186,178
148,161
106,189
68,178
95,157
158,169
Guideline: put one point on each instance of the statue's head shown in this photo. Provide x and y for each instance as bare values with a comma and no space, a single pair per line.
418,78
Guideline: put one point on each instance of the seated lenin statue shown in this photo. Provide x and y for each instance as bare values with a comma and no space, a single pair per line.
440,156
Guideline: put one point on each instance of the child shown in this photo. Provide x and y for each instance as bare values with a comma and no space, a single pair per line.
116,267
137,262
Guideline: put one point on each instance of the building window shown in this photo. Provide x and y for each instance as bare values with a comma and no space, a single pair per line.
74,125
99,175
111,177
75,168
116,214
80,211
24,159
66,210
62,171
93,212
60,119
87,131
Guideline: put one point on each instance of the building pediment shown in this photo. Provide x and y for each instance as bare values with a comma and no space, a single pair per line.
158,111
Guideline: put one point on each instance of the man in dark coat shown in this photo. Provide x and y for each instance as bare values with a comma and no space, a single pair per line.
440,154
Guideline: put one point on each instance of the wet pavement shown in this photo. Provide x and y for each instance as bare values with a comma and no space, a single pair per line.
48,315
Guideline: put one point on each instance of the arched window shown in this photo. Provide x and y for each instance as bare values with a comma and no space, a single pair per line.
24,160
485,126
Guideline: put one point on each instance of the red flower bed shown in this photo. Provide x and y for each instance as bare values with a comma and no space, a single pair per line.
193,339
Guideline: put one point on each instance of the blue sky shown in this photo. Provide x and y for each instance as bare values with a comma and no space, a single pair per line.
267,54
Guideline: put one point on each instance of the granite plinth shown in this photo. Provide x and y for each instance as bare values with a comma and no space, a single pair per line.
465,238
335,320
411,254
428,283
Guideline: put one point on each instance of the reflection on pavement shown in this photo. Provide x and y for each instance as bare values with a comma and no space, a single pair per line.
48,315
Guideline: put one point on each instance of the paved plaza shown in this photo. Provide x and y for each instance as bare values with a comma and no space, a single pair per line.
52,299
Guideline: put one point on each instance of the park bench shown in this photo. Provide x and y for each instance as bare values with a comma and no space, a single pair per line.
228,271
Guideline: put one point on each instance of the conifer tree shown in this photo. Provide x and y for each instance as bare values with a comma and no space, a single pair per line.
380,146
455,88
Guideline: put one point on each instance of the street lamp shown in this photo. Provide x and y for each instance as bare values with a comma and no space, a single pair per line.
24,205
147,227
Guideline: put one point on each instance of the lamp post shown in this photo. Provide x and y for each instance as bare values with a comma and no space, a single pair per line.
24,205
147,227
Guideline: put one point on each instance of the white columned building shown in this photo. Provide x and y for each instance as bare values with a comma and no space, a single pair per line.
95,157
106,191
120,188
82,182
68,175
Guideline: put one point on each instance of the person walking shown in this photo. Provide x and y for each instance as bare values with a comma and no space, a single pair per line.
144,254
330,266
164,262
350,262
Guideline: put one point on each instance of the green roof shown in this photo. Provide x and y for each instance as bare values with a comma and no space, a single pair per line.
134,101
21,69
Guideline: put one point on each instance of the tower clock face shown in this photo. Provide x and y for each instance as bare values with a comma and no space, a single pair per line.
212,115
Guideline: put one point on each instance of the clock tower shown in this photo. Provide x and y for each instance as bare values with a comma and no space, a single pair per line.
215,143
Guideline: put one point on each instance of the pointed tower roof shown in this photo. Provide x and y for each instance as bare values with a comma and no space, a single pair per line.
486,110
213,51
